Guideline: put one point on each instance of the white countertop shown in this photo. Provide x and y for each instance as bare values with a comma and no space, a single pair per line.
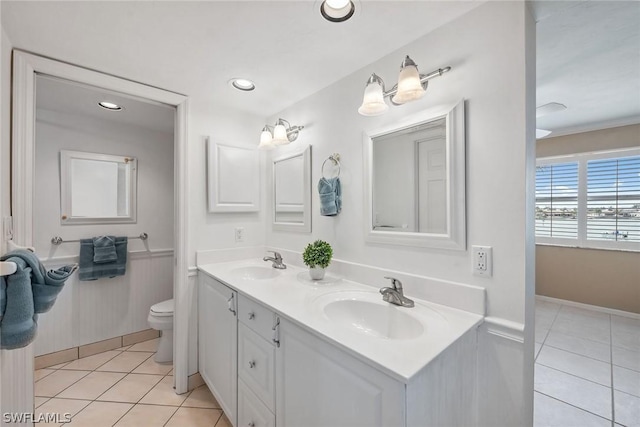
292,295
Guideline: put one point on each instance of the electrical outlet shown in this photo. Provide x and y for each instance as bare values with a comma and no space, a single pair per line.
239,232
482,261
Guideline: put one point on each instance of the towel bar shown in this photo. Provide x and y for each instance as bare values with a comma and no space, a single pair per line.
7,268
57,240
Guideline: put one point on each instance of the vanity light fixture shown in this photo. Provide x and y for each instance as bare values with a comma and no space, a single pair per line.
282,133
411,86
337,10
110,106
245,85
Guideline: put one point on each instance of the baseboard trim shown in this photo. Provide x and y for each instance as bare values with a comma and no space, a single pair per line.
606,310
85,350
504,328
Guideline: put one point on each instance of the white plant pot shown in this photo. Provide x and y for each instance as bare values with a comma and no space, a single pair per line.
316,273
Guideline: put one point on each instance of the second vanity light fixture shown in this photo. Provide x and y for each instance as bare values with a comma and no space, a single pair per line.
411,86
283,134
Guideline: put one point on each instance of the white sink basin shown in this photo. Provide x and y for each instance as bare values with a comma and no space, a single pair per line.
255,272
365,313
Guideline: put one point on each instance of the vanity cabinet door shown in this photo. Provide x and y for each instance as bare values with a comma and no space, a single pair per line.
318,384
218,338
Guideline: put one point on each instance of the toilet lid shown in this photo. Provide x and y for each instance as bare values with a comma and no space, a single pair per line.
164,308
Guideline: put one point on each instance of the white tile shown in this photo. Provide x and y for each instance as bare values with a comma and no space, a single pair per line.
626,380
549,412
593,329
625,324
583,314
541,335
583,394
582,346
626,339
626,358
547,307
580,366
627,409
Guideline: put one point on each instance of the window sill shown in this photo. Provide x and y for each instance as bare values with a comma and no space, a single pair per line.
587,247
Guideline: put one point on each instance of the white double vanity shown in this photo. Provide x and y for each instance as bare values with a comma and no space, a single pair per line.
278,349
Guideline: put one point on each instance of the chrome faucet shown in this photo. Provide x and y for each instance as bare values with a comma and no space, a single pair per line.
395,295
276,259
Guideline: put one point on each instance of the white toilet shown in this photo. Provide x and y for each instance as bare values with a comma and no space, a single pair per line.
161,319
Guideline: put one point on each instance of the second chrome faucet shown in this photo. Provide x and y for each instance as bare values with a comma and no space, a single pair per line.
276,259
395,295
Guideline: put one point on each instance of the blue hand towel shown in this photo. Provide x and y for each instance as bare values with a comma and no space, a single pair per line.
104,249
19,322
89,270
45,285
330,192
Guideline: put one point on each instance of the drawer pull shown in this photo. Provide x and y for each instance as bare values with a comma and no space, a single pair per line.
252,364
252,315
252,424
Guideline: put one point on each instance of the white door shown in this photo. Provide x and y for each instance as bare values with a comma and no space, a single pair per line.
432,185
218,337
320,385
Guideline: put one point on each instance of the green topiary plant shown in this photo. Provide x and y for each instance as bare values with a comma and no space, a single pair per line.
317,254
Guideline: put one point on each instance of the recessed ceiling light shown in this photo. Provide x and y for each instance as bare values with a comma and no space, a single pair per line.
110,106
337,10
242,84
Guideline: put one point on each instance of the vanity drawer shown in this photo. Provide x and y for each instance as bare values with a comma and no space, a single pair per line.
256,317
256,364
251,411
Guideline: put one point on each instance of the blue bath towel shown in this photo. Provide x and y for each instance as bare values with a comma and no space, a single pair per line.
104,249
330,192
89,270
30,290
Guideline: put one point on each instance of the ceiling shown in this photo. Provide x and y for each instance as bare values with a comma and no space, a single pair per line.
72,98
588,58
286,47
588,52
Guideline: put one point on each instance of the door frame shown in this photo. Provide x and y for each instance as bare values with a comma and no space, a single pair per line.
17,365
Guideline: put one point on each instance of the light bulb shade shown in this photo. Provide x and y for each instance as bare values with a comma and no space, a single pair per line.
373,101
337,10
409,86
266,140
280,135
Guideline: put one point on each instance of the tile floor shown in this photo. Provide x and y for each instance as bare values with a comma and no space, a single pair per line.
587,370
123,387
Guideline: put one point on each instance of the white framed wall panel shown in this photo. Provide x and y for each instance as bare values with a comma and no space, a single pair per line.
233,178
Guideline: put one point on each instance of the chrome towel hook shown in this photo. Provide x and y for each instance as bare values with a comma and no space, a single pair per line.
335,158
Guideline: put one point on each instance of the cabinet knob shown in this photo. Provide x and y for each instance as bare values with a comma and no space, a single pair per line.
252,315
252,424
252,364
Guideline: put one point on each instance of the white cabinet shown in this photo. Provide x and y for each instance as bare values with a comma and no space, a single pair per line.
218,338
318,384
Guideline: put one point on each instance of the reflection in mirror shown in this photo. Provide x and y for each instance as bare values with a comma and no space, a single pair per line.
410,179
97,188
292,192
414,181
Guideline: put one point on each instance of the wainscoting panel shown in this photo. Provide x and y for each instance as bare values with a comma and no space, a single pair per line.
86,312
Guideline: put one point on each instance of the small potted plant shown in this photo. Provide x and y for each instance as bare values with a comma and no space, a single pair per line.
317,256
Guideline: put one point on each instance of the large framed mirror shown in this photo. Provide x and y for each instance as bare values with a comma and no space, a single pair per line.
292,192
97,188
415,180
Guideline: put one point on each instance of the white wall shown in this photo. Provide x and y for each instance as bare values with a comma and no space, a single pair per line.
57,131
487,49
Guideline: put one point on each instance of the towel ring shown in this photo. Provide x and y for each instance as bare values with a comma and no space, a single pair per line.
335,158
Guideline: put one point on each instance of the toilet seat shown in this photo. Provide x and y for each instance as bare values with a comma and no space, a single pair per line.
162,309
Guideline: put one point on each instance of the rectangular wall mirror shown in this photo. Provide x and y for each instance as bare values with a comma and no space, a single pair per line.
97,188
233,178
415,181
292,192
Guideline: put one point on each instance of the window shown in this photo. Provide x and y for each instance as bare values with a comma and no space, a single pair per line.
589,200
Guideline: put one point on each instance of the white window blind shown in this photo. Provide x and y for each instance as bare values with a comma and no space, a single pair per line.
557,200
589,200
613,199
